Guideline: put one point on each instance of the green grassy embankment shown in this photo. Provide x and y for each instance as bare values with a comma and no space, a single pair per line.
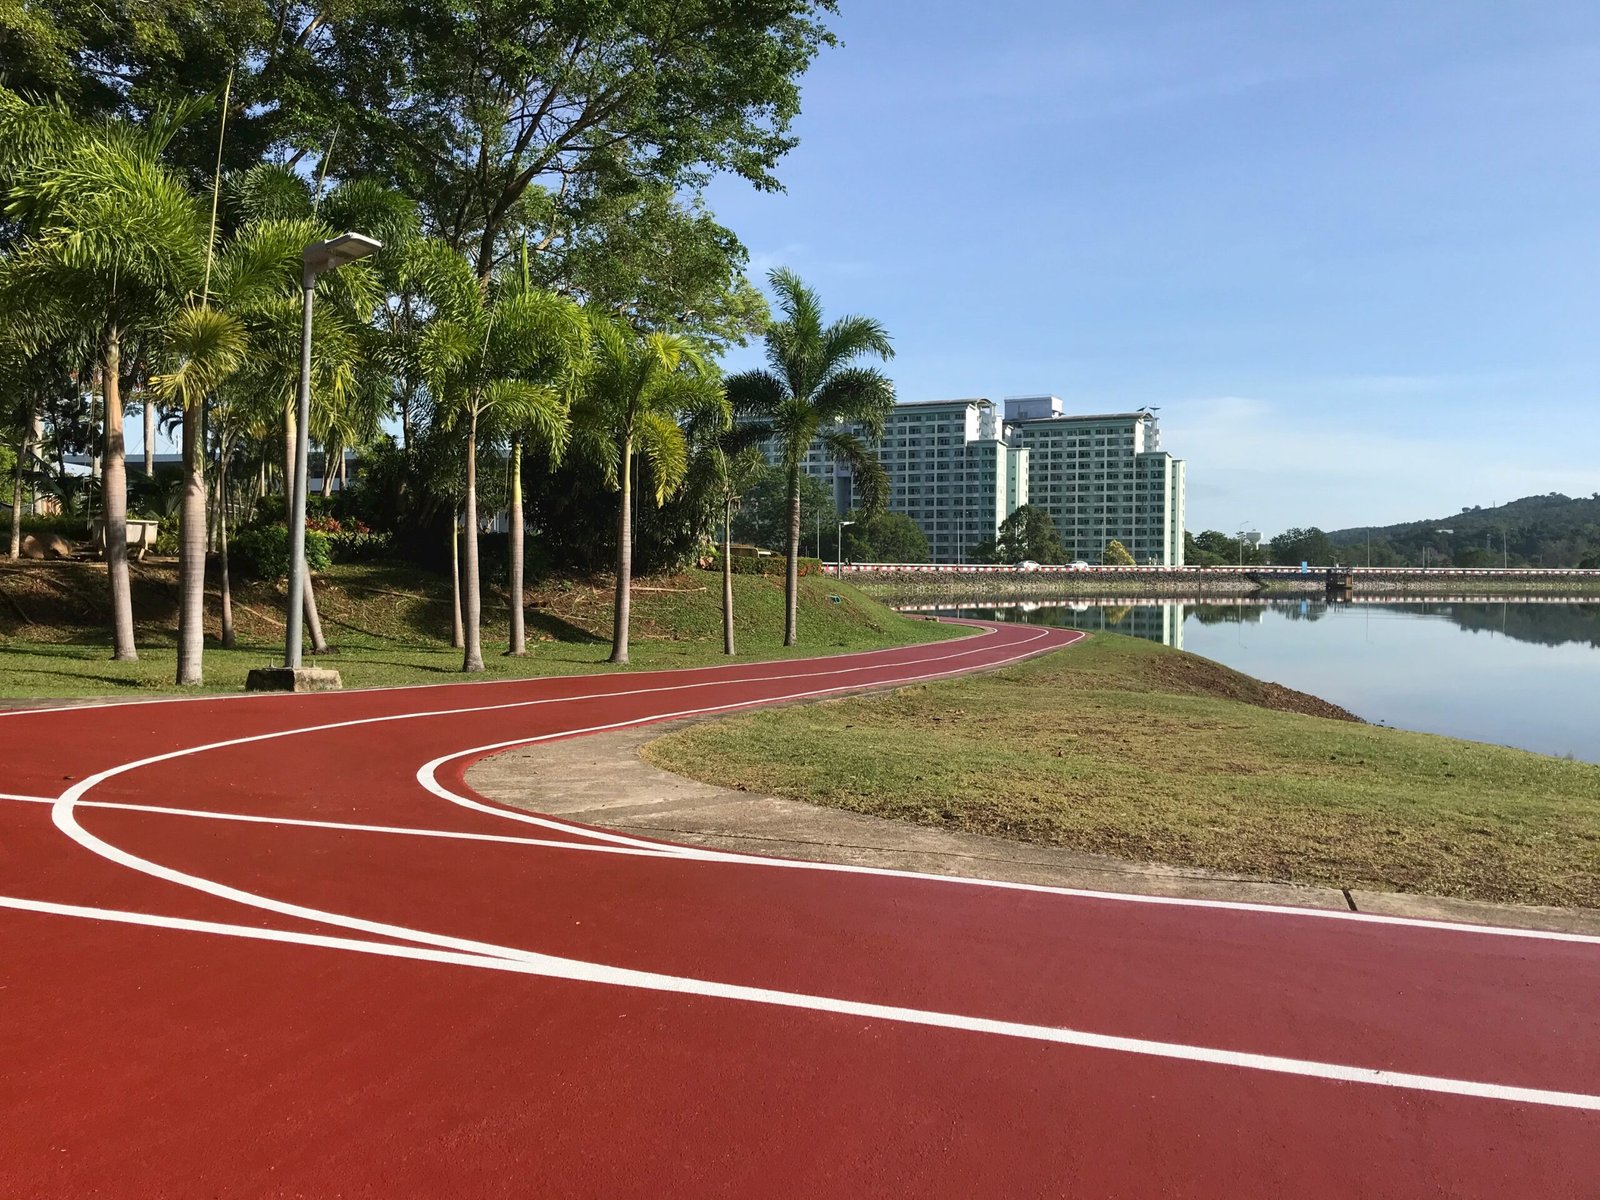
391,625
1121,747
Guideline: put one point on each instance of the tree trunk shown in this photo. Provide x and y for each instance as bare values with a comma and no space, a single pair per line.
114,503
222,551
192,555
472,659
519,637
327,473
149,440
308,605
619,622
319,644
457,637
791,578
24,452
727,576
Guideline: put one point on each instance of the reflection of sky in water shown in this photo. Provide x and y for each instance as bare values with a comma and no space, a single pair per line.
1521,674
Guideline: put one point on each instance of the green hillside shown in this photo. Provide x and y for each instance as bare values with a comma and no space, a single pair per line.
1536,531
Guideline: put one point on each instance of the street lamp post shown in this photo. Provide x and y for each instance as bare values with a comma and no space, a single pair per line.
317,258
838,549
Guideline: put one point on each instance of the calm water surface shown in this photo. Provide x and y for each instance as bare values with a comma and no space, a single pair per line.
1517,672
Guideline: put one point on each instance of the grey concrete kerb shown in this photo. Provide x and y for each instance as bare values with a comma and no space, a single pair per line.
601,780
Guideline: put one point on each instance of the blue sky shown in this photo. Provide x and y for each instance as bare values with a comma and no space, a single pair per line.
1351,249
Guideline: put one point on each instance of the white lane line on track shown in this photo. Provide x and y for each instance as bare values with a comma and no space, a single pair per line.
338,826
988,630
552,967
660,849
63,814
427,773
77,790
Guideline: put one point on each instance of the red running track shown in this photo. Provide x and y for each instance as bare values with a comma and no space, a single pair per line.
272,946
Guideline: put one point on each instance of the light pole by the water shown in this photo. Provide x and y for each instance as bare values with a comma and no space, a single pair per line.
316,259
838,548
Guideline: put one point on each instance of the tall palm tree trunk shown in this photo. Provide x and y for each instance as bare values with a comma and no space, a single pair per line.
621,613
458,637
309,603
791,576
149,440
192,554
328,451
24,452
472,659
727,576
114,503
519,637
228,640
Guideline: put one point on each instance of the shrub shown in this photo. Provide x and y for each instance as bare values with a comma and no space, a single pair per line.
166,544
264,551
350,540
74,529
744,564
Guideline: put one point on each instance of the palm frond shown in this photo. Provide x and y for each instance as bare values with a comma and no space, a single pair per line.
660,441
870,477
206,346
863,396
755,394
853,337
536,411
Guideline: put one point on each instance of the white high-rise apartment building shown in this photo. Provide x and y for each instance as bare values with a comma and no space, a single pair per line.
1102,477
959,468
949,470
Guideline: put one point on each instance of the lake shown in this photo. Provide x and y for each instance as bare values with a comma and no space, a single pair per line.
1518,672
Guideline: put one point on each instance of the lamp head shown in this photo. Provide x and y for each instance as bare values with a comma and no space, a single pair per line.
337,251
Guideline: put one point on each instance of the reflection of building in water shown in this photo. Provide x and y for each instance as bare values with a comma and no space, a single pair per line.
1154,620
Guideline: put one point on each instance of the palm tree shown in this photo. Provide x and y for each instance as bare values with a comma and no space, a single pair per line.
207,346
259,273
631,403
498,357
735,467
113,243
813,387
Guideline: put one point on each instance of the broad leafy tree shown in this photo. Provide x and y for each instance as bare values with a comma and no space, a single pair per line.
1116,555
1029,533
885,537
1295,546
816,387
488,113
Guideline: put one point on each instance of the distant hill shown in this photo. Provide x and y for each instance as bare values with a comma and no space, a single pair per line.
1545,531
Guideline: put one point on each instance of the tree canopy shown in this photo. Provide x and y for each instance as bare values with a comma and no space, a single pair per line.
1029,534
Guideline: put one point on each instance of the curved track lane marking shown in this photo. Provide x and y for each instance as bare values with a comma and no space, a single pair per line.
64,816
68,707
469,952
574,970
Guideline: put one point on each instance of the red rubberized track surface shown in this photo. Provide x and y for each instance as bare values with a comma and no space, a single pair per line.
272,946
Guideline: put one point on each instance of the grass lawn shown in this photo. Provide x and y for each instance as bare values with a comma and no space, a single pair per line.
1122,747
391,625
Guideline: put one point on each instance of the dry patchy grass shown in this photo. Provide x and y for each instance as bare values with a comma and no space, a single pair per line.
1121,747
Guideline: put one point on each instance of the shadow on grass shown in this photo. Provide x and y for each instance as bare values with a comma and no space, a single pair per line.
563,631
118,681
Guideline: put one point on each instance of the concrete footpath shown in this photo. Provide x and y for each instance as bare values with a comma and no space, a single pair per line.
601,780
